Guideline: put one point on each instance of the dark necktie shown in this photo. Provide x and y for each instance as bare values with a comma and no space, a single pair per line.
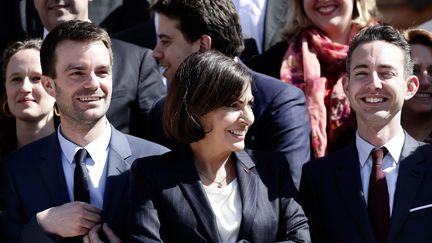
378,198
81,190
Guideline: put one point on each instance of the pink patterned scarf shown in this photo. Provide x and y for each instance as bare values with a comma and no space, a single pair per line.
316,65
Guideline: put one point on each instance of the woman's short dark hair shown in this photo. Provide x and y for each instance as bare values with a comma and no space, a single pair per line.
204,82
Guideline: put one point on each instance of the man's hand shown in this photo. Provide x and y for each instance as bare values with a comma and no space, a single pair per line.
93,236
70,219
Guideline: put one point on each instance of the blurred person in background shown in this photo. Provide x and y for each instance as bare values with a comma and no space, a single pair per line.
28,110
417,112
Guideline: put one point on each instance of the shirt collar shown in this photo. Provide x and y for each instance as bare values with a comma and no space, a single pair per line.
101,143
393,146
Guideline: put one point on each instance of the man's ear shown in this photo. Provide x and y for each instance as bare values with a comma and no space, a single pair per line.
345,83
48,84
412,86
205,43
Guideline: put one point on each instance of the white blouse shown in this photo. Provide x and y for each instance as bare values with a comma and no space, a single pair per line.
227,207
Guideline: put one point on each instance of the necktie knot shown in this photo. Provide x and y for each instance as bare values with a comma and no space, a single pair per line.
378,155
80,156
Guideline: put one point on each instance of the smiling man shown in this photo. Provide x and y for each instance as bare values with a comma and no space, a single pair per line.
417,112
75,179
375,189
137,83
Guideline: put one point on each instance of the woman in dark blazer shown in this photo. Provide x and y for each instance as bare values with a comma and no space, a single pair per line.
212,190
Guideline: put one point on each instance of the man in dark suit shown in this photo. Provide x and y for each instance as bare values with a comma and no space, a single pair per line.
137,83
378,188
281,122
50,194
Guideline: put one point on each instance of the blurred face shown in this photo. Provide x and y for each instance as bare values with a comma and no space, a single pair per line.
422,100
330,16
172,48
228,125
26,96
83,85
377,87
55,12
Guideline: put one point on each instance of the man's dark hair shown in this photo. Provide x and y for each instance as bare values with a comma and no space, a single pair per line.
217,19
204,82
384,33
74,30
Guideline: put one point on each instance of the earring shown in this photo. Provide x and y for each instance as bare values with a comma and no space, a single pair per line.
6,110
56,110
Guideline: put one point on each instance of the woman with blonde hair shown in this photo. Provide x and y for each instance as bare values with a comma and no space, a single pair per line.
312,57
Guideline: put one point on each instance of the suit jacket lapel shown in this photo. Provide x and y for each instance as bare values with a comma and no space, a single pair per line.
51,170
194,193
349,183
247,180
409,179
116,185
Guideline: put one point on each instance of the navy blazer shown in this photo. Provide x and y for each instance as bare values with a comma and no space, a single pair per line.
168,202
332,197
35,182
137,85
281,122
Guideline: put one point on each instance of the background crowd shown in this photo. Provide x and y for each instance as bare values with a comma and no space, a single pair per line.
243,93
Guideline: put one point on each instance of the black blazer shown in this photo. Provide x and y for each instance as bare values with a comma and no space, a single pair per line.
137,85
169,204
270,61
35,181
332,197
281,122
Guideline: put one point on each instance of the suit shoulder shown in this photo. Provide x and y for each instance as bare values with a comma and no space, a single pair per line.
329,162
143,144
269,85
27,155
267,160
159,163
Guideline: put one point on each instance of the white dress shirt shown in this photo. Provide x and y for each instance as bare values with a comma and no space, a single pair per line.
252,15
96,164
390,163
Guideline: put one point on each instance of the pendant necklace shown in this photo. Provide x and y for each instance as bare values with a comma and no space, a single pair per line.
219,183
